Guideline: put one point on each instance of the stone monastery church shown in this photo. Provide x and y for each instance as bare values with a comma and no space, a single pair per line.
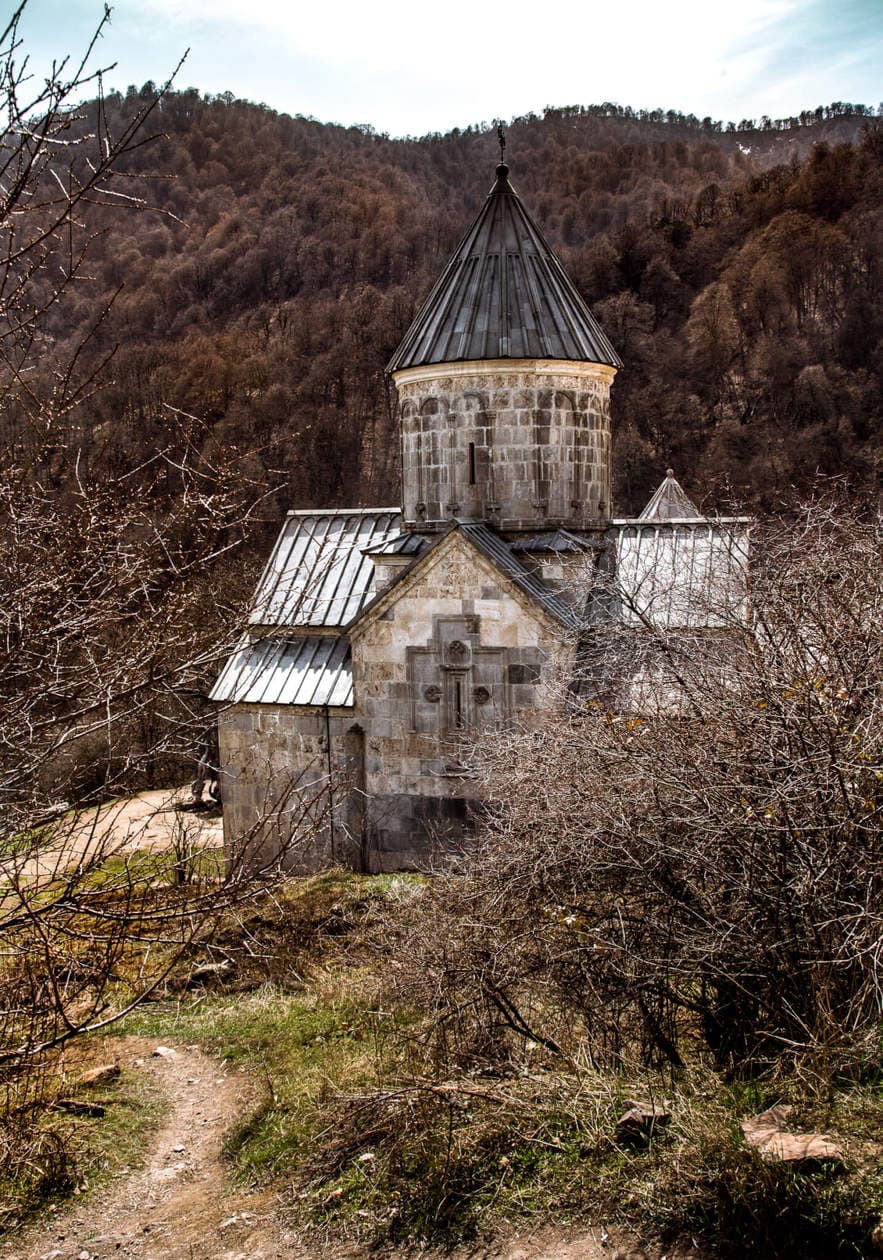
382,640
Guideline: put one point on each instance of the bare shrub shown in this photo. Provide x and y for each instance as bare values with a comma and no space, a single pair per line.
703,879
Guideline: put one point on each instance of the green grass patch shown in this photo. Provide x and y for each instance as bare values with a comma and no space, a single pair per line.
301,1038
55,1156
296,1047
161,866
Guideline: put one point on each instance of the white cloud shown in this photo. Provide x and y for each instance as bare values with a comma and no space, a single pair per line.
408,68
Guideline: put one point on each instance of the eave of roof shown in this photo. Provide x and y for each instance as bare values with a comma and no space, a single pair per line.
503,295
311,671
500,555
559,541
408,544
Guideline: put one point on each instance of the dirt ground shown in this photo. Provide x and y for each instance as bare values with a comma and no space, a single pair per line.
149,820
180,1204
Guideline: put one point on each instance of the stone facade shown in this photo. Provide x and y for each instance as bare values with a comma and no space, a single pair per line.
277,763
524,444
449,651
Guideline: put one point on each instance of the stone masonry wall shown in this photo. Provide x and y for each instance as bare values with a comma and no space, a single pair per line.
445,656
523,444
275,786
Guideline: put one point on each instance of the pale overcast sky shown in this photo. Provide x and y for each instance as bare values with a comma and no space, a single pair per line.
410,68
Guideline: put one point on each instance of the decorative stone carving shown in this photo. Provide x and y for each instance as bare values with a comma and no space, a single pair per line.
481,695
432,693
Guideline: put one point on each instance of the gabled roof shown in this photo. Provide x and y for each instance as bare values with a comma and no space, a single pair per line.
670,502
311,670
317,574
500,554
503,295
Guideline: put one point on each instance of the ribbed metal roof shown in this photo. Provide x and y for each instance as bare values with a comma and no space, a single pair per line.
311,670
317,574
503,295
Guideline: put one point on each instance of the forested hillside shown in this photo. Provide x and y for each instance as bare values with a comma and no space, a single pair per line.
281,259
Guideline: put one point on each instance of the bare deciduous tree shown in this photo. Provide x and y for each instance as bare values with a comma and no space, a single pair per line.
60,162
115,613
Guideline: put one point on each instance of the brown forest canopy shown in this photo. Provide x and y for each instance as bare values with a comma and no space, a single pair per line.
737,271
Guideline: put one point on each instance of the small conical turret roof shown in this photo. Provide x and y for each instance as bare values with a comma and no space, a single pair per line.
670,502
503,295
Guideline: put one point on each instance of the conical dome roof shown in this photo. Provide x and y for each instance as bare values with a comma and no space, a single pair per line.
503,295
670,502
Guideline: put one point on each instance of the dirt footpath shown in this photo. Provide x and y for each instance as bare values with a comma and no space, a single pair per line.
181,1206
149,820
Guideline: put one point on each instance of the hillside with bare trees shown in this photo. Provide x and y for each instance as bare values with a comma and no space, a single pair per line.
273,263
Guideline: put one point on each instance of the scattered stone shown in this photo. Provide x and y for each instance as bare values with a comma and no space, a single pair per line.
100,1075
167,1174
639,1123
179,1149
767,1134
163,1052
208,970
877,1236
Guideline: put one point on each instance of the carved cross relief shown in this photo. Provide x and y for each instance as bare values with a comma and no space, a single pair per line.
456,685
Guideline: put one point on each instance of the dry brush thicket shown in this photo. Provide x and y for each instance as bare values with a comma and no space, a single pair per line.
706,881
